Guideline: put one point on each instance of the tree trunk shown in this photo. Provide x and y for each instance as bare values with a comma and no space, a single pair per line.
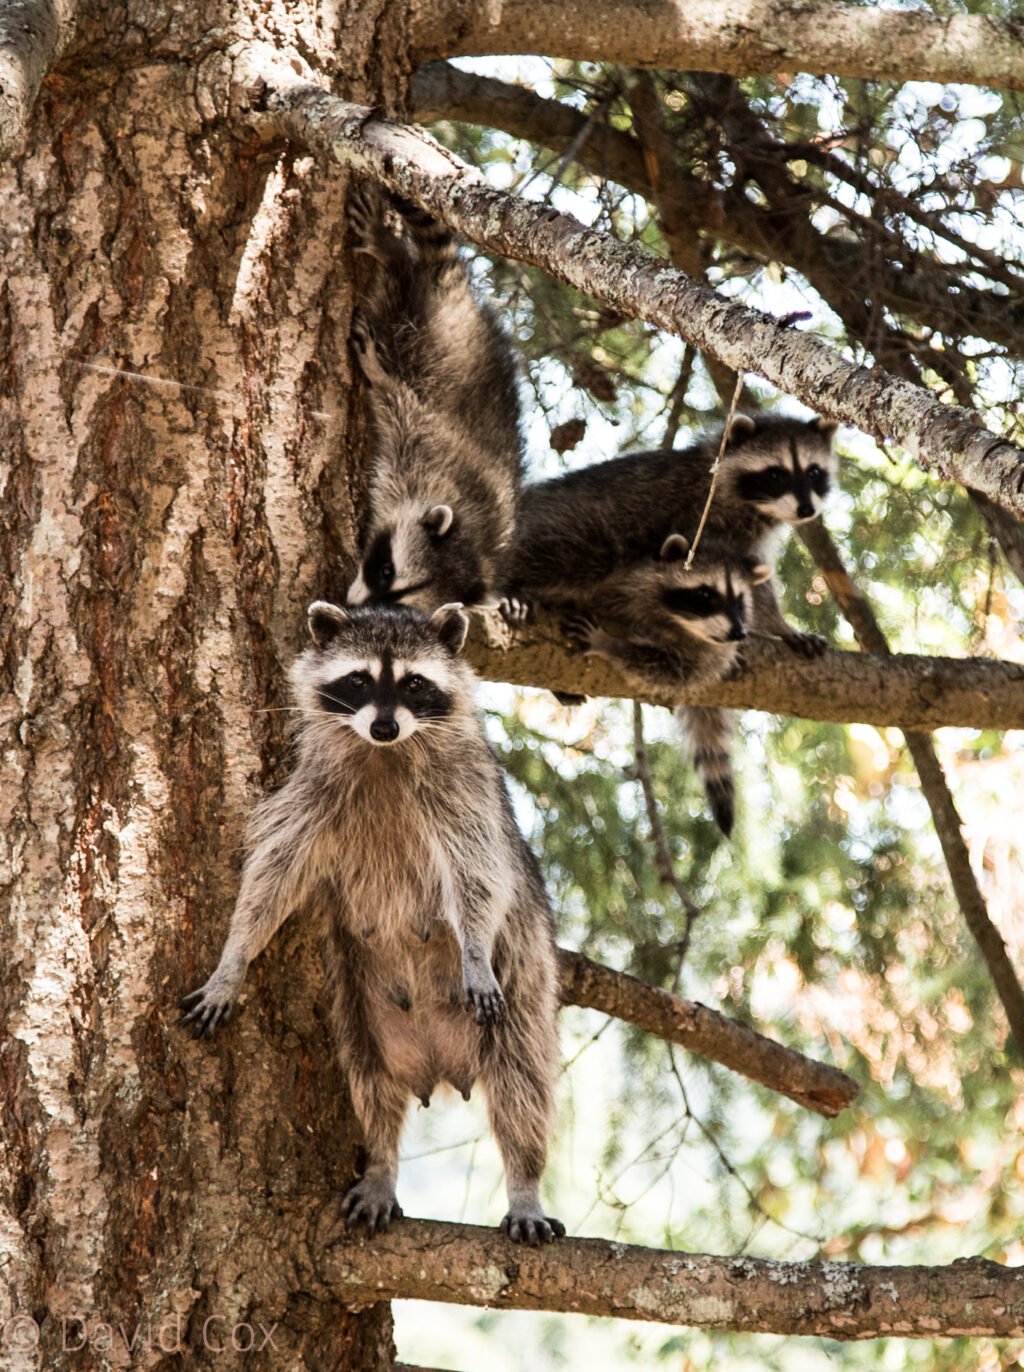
177,484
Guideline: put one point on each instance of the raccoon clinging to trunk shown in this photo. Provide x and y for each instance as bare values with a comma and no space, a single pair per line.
440,948
447,462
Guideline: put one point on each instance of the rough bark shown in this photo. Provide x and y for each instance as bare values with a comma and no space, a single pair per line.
837,1300
947,439
934,787
33,34
906,689
742,37
176,479
821,1088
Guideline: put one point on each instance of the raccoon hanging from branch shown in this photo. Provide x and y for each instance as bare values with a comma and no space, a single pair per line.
665,621
447,464
575,529
440,947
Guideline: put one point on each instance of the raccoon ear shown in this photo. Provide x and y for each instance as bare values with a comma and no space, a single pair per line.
326,621
761,571
740,429
438,520
674,548
451,626
825,426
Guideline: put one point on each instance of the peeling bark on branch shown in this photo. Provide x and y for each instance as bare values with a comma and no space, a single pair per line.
33,34
741,37
907,690
947,439
467,1265
815,1085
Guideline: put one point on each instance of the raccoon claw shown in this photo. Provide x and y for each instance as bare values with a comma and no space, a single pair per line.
488,1007
514,610
532,1229
372,1204
580,630
365,349
810,645
204,1013
362,218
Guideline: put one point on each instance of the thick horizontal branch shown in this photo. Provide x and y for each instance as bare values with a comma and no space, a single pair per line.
906,690
33,34
821,1088
624,278
740,37
466,1265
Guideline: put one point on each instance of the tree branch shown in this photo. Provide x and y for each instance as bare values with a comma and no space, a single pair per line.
815,1085
33,34
740,37
906,690
919,289
467,1265
624,278
933,784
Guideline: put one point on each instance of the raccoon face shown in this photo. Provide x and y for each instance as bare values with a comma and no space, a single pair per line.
386,673
709,599
784,469
405,561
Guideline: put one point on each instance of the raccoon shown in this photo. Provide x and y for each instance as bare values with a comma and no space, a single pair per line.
673,623
444,398
576,529
440,944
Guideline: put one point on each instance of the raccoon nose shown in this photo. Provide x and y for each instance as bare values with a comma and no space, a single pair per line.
804,510
736,633
384,730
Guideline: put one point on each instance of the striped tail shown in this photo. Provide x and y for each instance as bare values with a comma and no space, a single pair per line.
707,732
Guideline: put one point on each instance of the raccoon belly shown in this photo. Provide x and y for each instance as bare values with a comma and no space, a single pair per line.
423,1031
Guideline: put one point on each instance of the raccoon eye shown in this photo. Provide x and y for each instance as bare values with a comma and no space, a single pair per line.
387,571
814,472
356,680
414,683
775,477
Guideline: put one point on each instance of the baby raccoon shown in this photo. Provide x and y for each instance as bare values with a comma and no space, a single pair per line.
440,949
668,624
577,528
443,392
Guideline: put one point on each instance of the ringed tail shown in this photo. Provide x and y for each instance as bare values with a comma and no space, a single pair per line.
707,732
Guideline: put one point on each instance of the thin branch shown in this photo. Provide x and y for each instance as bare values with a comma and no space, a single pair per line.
920,289
906,690
933,785
628,280
815,1085
467,1265
740,37
33,34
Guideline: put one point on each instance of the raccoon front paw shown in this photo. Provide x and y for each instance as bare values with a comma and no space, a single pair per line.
809,645
580,631
532,1227
514,609
205,1010
365,349
481,995
371,1203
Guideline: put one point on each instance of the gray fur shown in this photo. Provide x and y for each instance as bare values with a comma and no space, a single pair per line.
447,463
440,946
632,622
578,528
